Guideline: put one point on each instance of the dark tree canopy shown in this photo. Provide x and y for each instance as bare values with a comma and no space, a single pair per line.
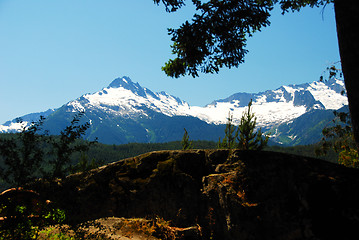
216,37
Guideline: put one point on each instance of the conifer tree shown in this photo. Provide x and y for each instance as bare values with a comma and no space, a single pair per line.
247,138
229,140
186,143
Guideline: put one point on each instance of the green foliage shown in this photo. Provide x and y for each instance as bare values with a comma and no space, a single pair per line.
23,229
340,134
51,233
349,158
22,155
217,35
84,165
24,215
29,155
186,143
97,154
55,215
67,144
247,138
229,140
22,158
340,138
24,220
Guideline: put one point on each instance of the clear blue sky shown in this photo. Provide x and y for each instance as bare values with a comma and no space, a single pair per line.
52,52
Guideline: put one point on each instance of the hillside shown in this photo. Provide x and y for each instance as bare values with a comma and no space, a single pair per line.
126,112
227,195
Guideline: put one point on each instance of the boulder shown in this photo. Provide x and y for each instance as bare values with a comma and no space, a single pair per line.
226,194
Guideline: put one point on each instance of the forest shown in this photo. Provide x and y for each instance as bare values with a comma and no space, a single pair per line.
101,154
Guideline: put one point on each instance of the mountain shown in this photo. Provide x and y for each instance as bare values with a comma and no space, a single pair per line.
127,112
274,107
304,130
18,123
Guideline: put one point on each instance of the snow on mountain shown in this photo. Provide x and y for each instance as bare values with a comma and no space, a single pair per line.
125,98
329,94
275,106
128,100
18,124
13,127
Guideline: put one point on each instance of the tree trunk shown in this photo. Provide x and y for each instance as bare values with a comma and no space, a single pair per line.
347,20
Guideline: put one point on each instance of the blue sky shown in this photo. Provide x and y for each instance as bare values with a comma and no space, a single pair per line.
52,52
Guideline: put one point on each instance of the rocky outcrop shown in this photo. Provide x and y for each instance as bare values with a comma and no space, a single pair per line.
228,194
12,198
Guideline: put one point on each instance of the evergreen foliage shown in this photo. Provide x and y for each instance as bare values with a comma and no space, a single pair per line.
84,164
247,138
229,140
186,143
217,35
305,150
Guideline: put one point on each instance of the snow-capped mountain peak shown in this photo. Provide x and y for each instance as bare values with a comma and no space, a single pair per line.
126,98
126,83
273,107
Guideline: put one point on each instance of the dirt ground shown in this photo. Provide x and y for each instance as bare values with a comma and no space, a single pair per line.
106,228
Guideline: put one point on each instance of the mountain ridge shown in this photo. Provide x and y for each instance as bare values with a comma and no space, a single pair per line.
129,110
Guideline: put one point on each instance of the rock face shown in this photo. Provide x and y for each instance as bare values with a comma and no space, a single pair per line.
229,194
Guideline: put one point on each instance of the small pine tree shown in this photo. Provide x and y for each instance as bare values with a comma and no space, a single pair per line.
229,140
247,138
186,143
